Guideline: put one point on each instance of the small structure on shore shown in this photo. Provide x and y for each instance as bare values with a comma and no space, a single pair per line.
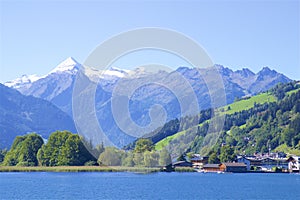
225,167
233,167
211,168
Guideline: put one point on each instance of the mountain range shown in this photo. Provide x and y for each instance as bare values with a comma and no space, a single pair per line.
20,114
57,87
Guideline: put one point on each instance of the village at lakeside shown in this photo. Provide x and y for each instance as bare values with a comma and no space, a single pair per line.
261,134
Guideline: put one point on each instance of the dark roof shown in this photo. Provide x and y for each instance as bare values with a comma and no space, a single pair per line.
182,162
211,166
234,164
291,158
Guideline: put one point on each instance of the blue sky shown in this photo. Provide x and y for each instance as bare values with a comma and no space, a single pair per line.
36,36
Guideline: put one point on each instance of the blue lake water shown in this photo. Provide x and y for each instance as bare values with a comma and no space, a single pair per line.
99,185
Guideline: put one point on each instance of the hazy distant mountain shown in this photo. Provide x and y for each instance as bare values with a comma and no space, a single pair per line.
57,87
20,114
253,83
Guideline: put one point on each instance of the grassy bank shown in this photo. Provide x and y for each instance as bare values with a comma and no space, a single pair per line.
78,169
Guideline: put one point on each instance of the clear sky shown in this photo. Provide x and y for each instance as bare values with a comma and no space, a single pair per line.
36,36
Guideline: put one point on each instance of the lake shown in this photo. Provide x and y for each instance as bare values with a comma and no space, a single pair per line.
122,185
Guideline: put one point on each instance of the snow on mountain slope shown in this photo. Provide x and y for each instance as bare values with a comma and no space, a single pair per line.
70,65
57,87
24,80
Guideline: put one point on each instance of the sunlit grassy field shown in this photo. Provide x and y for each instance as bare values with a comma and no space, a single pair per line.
164,142
246,104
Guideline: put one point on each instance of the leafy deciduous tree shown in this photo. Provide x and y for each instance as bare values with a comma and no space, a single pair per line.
24,150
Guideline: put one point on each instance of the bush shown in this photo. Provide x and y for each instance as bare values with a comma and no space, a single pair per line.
91,163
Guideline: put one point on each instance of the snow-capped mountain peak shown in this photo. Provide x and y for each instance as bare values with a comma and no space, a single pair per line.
23,80
69,65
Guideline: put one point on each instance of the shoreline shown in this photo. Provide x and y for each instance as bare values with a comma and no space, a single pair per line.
113,169
78,169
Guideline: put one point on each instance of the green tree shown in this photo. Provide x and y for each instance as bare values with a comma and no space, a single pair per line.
128,160
297,106
143,145
63,148
213,158
287,136
24,150
151,159
230,140
227,154
3,152
164,157
295,124
138,159
10,159
110,157
74,152
49,154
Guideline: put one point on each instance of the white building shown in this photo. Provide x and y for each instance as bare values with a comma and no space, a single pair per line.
294,164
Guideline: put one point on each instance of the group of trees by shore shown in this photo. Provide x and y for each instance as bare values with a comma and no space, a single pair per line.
24,150
62,148
66,149
143,155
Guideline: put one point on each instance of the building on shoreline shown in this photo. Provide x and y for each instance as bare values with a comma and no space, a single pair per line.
199,161
225,167
233,167
294,164
211,168
267,163
274,162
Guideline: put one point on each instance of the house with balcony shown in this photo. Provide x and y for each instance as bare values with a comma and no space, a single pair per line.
199,161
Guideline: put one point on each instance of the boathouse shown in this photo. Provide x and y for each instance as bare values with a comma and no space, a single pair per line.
233,167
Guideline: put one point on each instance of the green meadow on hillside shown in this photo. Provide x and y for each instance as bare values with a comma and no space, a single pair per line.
164,142
243,104
246,104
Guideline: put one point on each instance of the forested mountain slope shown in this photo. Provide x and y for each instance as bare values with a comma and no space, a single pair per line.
20,114
267,121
